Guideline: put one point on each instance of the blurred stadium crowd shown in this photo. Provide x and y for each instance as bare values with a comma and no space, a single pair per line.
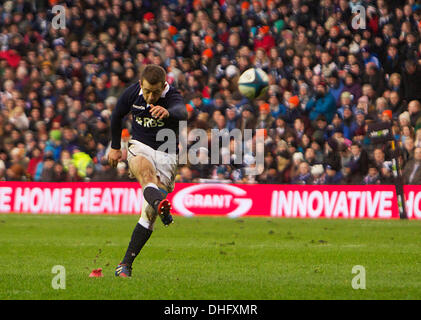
328,80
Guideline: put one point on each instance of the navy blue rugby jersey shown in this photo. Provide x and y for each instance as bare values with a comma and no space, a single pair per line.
144,126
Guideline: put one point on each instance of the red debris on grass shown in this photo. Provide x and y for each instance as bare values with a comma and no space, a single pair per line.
96,273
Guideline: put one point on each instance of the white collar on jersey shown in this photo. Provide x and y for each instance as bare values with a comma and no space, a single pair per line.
164,93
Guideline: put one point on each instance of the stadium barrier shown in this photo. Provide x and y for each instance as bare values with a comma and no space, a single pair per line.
231,200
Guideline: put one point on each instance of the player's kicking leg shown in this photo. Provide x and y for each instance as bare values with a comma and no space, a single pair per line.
153,191
155,204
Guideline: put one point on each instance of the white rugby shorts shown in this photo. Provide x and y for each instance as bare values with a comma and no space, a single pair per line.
165,164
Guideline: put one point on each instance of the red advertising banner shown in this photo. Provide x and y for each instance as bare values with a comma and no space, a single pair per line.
413,199
290,201
231,200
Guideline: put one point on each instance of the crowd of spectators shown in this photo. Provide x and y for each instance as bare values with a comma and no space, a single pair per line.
333,69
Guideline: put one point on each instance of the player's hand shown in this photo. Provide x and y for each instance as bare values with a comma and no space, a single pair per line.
159,112
113,157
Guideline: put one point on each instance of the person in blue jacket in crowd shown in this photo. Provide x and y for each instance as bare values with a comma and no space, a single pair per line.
323,102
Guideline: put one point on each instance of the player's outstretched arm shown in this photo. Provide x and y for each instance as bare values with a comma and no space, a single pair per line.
120,111
177,109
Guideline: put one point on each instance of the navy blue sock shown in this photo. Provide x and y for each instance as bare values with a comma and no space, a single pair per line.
153,196
140,236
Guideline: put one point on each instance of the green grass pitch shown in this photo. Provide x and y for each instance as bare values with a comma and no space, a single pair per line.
210,258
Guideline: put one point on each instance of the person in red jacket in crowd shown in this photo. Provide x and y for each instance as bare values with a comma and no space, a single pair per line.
36,157
264,39
11,56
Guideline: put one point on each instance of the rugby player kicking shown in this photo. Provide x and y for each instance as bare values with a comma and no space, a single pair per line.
154,105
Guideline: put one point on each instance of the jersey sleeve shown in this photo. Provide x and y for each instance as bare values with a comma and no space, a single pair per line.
122,108
177,107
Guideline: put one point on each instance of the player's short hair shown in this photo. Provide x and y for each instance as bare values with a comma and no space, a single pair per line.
153,74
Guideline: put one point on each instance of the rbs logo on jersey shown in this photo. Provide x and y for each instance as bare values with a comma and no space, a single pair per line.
149,122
